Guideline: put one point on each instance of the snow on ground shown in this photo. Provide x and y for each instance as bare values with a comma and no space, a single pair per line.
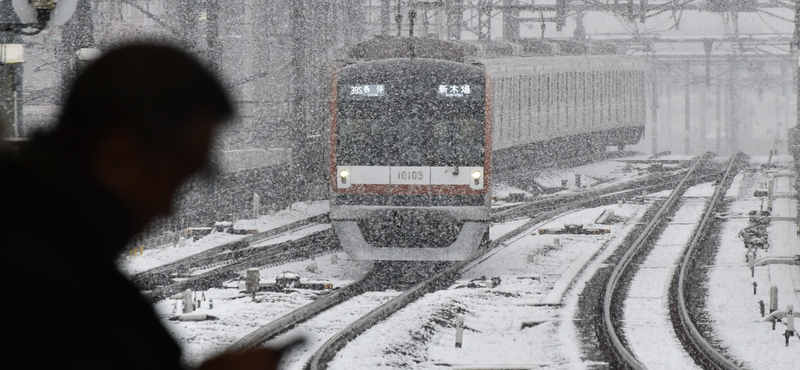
296,212
422,335
292,235
609,172
237,316
646,322
732,306
541,294
319,329
344,271
592,174
155,257
503,190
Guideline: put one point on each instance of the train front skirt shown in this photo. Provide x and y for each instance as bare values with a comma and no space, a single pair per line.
410,234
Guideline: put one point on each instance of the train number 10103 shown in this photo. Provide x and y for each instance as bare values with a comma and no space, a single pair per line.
410,175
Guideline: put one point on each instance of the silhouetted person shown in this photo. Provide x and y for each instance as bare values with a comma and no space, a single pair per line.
136,123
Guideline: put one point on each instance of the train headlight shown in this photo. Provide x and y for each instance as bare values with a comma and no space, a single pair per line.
344,174
476,175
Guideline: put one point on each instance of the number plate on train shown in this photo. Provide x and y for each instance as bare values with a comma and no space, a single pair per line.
411,175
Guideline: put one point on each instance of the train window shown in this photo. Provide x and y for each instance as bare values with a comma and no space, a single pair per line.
537,99
408,142
457,141
529,111
360,140
602,97
502,129
572,98
567,93
614,97
518,110
562,98
548,106
584,100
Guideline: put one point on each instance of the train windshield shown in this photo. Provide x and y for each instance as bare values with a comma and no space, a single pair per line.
410,141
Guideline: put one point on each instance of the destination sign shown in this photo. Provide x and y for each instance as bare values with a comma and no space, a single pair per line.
367,90
454,91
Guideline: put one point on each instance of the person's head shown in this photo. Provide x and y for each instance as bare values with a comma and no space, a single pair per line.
141,119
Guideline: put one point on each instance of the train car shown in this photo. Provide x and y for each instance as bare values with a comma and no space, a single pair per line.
547,108
410,159
414,139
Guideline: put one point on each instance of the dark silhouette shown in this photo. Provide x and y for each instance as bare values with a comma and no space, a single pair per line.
135,124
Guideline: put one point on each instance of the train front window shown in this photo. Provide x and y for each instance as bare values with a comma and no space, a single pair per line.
410,141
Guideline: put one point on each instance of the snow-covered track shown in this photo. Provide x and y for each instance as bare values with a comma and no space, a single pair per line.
524,166
650,183
698,347
377,279
445,278
218,256
622,356
310,246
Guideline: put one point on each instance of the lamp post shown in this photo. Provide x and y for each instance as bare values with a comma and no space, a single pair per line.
20,18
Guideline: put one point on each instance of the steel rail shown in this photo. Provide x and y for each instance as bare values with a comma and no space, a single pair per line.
302,314
709,357
662,183
150,278
329,349
620,351
325,242
295,317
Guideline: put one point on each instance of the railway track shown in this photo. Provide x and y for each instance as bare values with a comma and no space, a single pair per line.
609,328
213,266
438,281
653,183
695,343
232,251
307,247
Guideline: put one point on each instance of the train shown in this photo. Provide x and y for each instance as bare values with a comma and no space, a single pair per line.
417,129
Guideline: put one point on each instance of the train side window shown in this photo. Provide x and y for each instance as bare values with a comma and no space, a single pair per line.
606,98
598,97
614,112
518,110
628,93
567,94
562,82
573,98
584,95
559,100
498,109
615,95
529,110
537,79
550,99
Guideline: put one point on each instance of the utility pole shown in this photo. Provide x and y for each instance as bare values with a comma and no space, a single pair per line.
796,55
10,77
733,107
